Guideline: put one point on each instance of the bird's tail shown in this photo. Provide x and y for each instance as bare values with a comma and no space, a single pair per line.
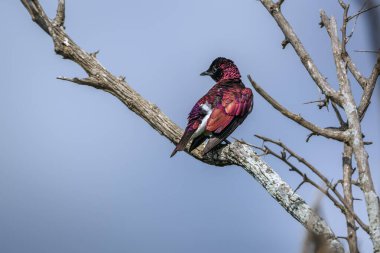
212,143
174,151
182,143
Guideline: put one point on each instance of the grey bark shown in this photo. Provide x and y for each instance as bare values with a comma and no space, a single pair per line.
347,191
356,140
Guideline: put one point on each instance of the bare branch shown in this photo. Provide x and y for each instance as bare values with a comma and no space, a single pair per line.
363,11
367,84
37,13
305,178
94,54
347,191
353,27
344,26
342,52
375,72
321,103
262,178
367,51
368,91
308,137
328,133
280,2
362,81
339,116
356,140
342,4
284,43
305,58
337,48
59,19
345,208
84,81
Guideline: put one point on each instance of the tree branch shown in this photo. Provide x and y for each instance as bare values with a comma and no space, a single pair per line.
59,19
235,153
362,81
259,170
368,91
337,48
305,178
346,208
363,11
345,56
356,140
37,13
344,26
342,123
84,81
305,58
347,191
328,133
367,84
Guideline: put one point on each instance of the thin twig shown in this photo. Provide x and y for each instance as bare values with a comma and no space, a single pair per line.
321,103
284,43
356,21
368,91
84,81
344,26
367,51
339,116
363,11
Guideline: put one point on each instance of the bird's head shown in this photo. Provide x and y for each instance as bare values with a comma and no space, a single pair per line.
222,69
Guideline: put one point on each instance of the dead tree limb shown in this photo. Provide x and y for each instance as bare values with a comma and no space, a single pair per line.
347,191
328,133
356,136
304,56
344,206
343,98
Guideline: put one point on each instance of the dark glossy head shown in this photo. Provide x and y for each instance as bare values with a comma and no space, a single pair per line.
222,69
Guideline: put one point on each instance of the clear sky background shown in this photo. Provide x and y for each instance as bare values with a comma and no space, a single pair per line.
79,172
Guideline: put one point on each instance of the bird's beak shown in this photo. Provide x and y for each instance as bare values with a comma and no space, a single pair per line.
206,73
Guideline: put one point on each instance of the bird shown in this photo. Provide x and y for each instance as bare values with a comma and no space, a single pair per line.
220,111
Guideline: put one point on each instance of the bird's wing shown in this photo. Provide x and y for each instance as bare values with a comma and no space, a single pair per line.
228,114
196,115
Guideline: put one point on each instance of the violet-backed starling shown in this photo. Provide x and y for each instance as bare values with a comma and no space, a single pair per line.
218,113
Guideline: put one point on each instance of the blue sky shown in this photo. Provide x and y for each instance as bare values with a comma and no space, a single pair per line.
79,172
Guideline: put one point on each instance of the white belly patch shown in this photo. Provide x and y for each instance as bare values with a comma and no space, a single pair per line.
202,127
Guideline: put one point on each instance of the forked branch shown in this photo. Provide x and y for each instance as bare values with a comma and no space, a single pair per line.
304,56
316,130
341,203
